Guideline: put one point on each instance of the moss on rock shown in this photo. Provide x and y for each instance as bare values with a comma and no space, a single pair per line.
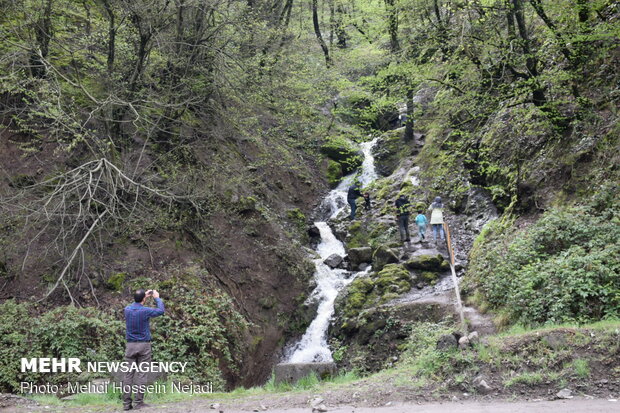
378,288
334,173
341,150
427,263
382,256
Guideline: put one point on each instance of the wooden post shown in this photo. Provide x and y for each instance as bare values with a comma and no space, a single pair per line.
455,281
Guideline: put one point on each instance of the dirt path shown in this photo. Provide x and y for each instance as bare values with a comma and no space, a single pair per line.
568,406
200,405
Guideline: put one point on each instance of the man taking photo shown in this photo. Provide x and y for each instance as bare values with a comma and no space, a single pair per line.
138,348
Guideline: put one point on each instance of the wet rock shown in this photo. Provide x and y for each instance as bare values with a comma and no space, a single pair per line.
564,394
360,255
333,261
427,263
481,385
383,256
447,342
313,231
363,266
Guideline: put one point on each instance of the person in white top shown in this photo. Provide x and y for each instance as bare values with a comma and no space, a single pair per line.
436,209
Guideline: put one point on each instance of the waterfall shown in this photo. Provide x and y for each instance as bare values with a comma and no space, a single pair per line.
313,347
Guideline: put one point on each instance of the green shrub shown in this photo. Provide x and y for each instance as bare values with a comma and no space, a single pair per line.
66,331
115,282
563,268
201,327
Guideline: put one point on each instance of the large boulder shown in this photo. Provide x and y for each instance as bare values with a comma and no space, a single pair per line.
343,151
360,255
428,263
383,256
333,261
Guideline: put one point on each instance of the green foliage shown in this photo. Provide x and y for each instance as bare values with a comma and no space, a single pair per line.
66,331
529,379
200,326
115,281
562,268
581,368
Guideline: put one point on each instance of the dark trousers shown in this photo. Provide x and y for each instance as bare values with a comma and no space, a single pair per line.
135,353
353,208
403,227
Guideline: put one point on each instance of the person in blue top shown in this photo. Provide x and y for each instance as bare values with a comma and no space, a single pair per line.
138,348
422,222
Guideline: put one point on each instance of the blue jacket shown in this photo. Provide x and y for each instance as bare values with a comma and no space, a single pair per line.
421,220
137,320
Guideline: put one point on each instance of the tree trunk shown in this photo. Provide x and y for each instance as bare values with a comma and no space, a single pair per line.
341,33
317,32
392,24
111,35
531,62
43,34
409,120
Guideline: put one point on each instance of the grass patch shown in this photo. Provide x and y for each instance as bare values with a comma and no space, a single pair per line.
525,378
581,368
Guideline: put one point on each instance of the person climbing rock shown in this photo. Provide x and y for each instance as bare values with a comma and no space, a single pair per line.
422,222
436,209
367,201
402,216
352,195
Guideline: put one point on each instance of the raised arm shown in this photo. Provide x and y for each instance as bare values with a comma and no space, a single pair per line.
156,312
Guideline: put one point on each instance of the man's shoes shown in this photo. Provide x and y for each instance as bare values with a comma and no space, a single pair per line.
127,407
142,406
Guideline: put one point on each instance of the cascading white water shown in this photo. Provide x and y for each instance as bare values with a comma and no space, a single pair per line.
313,345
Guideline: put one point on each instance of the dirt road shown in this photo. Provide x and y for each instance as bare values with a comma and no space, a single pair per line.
197,406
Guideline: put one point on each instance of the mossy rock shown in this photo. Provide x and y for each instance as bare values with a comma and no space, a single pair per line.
429,277
389,151
393,278
427,263
366,292
357,235
341,150
115,281
334,173
356,297
382,256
